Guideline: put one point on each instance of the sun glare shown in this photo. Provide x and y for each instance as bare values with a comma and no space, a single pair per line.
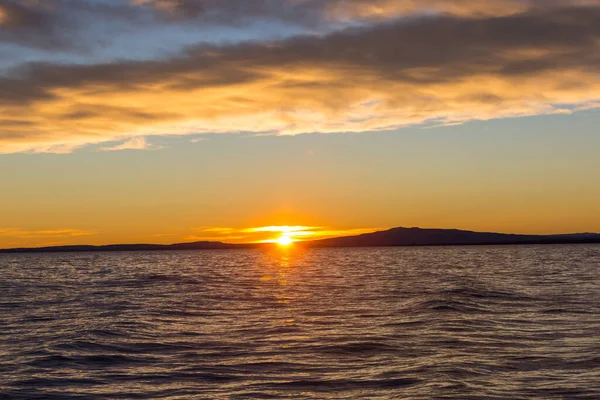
284,240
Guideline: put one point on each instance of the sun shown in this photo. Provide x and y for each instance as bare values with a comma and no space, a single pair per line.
284,241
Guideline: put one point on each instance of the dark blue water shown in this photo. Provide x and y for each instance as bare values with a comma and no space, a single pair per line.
518,322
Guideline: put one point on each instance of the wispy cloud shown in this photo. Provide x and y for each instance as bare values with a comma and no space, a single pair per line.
47,233
267,234
136,143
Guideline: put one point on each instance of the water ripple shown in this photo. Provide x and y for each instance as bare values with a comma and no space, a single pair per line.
482,322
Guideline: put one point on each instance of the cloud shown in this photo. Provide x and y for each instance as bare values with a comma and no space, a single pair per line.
322,13
24,14
39,24
28,22
136,143
75,26
49,233
269,234
445,69
83,26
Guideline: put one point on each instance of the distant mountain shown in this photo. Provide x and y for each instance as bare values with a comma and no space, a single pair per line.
438,237
131,247
391,237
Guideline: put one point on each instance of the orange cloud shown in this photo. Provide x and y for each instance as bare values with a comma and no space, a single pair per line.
445,69
14,237
50,233
269,234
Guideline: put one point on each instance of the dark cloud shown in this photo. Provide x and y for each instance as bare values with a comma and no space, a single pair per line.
56,24
19,14
331,11
60,24
512,45
234,11
23,22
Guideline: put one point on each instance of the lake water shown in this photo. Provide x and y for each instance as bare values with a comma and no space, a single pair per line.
513,322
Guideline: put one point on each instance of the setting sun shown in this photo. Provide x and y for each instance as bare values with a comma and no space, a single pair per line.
284,241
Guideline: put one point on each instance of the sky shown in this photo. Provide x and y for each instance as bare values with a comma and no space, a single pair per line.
162,121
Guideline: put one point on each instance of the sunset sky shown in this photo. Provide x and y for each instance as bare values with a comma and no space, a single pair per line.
128,121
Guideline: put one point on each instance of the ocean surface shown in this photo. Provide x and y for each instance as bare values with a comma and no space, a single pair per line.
506,322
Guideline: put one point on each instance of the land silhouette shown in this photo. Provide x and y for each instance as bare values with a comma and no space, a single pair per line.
392,237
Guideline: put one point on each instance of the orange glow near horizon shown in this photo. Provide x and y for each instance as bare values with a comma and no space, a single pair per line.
285,241
287,234
274,234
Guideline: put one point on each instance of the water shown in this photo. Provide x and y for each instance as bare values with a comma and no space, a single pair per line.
519,322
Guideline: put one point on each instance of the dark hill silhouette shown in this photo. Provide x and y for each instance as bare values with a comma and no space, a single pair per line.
391,237
131,247
438,237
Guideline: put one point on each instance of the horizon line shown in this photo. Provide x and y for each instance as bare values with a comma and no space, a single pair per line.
299,241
